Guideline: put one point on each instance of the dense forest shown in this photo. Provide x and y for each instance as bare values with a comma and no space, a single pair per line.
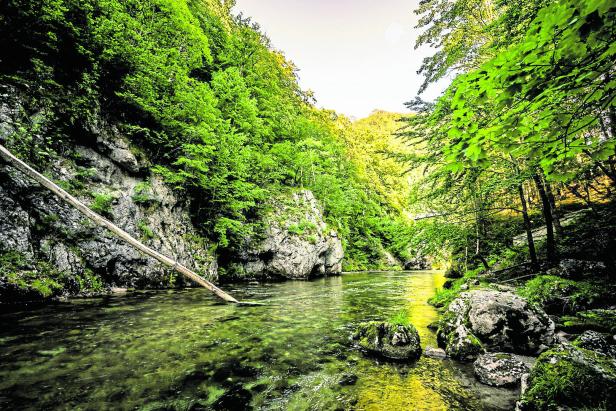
179,121
213,108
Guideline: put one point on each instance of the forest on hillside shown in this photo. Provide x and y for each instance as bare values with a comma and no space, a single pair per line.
179,122
211,107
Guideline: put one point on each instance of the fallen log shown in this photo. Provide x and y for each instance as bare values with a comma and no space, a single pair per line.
103,222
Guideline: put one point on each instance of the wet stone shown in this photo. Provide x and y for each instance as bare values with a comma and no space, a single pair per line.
499,369
437,353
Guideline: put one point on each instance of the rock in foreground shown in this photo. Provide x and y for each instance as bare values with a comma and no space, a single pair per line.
391,341
499,369
487,320
569,377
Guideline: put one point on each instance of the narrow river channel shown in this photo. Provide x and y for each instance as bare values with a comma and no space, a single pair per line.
183,350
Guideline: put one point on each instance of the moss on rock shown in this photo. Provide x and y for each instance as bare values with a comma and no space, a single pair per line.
388,340
567,376
559,295
600,320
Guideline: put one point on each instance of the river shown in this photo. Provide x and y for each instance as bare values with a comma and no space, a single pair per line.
184,350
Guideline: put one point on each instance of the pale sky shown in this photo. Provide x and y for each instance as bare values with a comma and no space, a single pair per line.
356,55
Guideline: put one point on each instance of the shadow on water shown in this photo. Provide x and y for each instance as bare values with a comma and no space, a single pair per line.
184,350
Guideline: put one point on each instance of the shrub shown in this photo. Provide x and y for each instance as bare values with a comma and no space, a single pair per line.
102,204
556,294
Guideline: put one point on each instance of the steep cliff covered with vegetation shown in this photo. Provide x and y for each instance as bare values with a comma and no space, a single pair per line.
182,93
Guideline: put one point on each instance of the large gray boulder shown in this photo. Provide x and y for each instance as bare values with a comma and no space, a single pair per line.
487,320
391,341
296,244
500,369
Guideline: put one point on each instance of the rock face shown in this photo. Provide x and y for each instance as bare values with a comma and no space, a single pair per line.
594,341
417,263
567,377
297,243
499,369
35,226
486,320
391,341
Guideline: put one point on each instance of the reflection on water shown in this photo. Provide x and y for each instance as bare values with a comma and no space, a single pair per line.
185,350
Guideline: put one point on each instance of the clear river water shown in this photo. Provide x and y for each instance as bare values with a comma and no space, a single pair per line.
184,350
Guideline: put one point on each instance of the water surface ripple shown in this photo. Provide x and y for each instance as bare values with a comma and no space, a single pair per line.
184,350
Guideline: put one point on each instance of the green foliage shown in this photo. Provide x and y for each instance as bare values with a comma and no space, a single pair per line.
36,281
546,95
142,194
101,203
566,375
400,318
146,231
565,295
304,226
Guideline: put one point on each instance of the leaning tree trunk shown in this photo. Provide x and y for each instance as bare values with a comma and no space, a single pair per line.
102,222
529,229
547,215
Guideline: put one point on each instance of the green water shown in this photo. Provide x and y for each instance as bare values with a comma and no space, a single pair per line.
184,350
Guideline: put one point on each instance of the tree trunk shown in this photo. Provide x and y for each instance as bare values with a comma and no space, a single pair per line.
547,215
555,214
529,229
102,222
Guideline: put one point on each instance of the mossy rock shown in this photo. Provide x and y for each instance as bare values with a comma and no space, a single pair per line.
488,320
596,320
570,377
387,340
594,341
559,295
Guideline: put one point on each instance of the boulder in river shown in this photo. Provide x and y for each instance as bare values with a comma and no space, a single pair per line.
487,320
500,369
568,377
437,353
391,341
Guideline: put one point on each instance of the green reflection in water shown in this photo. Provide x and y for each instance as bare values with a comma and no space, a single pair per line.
185,350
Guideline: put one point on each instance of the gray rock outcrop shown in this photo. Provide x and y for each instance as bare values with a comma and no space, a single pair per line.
486,320
297,243
37,227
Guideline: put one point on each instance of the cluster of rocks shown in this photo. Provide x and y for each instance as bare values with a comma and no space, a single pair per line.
512,344
503,334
